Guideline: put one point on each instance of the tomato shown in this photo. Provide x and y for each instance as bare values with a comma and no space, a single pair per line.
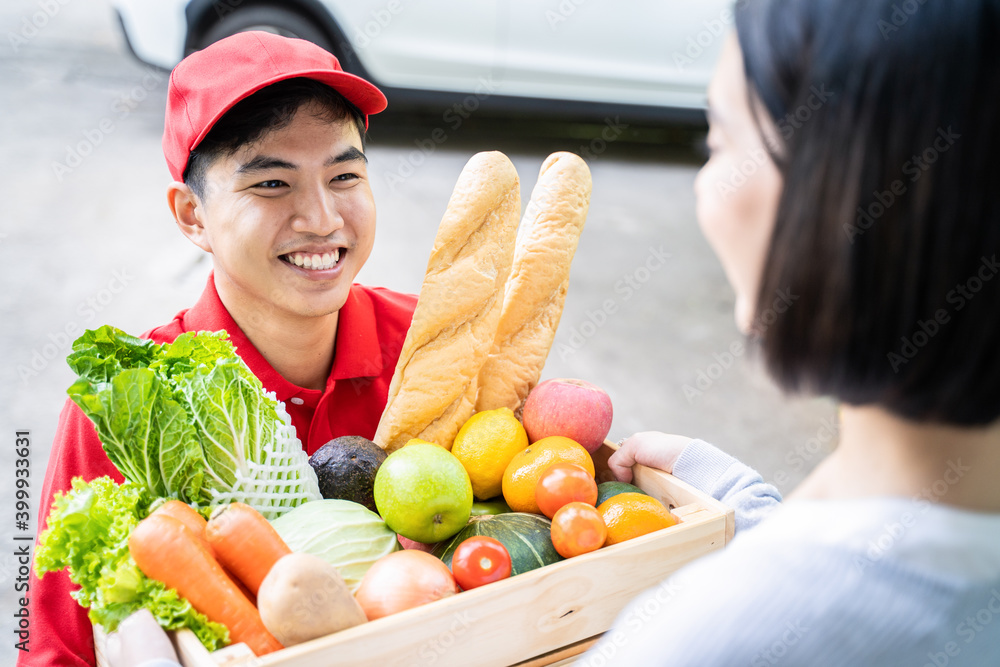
480,560
563,483
577,528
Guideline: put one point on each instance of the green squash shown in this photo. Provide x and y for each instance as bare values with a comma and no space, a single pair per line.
612,489
527,538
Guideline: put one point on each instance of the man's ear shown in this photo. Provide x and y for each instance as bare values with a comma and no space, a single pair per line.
188,210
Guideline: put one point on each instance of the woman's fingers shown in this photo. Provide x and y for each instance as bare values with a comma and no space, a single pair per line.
649,448
620,463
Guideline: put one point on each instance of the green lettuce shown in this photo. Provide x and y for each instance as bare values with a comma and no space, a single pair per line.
88,530
189,420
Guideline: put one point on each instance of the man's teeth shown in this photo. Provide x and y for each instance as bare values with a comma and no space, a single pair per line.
313,261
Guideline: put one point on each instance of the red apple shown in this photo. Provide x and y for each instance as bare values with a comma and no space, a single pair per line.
571,408
407,543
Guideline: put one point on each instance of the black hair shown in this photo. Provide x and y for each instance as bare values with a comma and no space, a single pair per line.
888,226
269,109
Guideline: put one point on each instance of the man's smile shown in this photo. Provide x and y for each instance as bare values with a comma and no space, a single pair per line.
314,260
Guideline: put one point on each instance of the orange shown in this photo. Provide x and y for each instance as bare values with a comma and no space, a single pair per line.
629,515
522,473
485,445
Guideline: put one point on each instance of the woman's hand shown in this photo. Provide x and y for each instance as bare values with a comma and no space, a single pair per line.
139,639
649,448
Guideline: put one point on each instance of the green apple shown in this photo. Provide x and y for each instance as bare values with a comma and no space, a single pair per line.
423,493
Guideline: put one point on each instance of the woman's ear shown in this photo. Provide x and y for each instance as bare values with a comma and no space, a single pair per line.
188,210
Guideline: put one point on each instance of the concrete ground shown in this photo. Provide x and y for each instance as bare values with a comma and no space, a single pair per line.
86,239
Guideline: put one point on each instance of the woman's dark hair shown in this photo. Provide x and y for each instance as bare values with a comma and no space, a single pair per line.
269,109
888,227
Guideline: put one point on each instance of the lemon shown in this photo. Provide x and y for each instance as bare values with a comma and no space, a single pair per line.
485,445
418,441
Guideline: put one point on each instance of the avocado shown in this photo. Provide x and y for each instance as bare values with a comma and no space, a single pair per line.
346,468
609,489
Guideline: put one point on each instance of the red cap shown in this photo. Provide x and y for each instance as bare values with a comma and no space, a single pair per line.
206,84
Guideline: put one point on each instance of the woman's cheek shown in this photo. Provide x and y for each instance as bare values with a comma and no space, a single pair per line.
715,215
704,204
722,211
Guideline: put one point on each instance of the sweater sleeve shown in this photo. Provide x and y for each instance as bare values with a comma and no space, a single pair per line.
61,633
718,474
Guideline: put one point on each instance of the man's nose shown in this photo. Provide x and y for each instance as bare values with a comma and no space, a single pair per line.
316,212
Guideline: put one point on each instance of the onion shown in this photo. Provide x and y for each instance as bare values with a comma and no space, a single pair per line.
403,580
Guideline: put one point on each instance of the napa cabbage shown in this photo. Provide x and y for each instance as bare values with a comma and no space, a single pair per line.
189,420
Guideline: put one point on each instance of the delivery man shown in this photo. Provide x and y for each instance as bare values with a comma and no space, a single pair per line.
264,137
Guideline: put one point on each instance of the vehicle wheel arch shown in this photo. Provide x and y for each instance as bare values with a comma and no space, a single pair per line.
201,15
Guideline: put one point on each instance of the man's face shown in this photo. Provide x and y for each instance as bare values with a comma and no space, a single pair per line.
290,220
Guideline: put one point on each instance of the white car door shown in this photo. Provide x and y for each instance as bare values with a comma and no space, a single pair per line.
654,52
427,44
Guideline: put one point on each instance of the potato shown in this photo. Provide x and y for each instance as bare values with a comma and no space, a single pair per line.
304,597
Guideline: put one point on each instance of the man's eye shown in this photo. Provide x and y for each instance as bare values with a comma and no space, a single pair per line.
270,185
345,177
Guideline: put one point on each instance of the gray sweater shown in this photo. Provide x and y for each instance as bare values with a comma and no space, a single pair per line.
854,583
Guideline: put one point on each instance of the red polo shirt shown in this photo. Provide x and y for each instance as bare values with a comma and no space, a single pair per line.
370,332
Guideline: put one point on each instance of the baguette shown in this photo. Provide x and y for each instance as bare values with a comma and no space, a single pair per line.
539,279
433,390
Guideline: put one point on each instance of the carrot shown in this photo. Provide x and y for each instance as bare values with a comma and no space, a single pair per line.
188,516
191,518
245,543
168,551
196,522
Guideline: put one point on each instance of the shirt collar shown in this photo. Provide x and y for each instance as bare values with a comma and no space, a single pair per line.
357,353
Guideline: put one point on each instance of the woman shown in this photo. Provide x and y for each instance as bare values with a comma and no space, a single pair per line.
873,130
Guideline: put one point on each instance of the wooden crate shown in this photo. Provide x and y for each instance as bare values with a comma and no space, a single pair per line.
542,617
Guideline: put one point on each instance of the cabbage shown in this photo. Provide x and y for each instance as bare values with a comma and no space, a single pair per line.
347,535
189,420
